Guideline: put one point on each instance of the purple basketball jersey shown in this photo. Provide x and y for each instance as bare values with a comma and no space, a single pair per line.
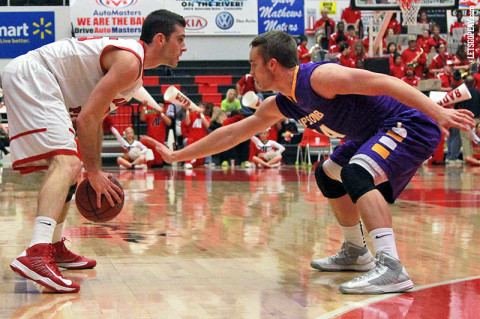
397,137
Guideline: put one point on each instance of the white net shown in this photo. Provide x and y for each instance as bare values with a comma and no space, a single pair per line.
410,13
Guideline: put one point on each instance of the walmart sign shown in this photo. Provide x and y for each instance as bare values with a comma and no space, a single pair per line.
21,32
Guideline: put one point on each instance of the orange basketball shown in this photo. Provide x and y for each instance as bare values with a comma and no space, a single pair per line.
86,200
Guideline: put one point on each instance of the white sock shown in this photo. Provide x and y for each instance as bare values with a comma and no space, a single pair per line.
43,230
354,235
383,239
58,233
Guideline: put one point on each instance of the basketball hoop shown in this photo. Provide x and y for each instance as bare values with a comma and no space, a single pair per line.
410,10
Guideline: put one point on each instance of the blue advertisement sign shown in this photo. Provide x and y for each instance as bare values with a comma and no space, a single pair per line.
285,15
21,32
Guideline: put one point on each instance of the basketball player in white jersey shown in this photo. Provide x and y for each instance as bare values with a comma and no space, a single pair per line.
74,79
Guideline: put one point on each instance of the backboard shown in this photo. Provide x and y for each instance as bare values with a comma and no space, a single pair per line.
393,5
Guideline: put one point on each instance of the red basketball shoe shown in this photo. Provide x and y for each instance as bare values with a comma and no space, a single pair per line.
66,259
36,263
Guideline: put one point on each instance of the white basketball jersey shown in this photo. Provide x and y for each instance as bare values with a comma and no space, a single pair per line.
77,67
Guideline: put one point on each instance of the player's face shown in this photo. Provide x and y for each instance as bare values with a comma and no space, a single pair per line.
259,69
174,47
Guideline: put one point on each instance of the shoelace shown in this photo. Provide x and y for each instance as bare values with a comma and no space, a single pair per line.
375,270
51,262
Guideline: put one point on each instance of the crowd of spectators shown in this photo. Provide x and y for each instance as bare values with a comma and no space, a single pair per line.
427,56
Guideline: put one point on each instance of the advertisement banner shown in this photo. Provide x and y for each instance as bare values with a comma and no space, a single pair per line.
124,18
217,17
21,32
120,18
285,15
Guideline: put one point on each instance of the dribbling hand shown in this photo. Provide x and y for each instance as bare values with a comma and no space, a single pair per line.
102,185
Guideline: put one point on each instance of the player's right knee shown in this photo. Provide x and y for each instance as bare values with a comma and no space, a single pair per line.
329,187
357,181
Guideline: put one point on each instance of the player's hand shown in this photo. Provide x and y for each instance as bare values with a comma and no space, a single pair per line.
161,148
461,119
102,185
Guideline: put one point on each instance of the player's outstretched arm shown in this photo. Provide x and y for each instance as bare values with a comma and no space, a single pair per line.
225,137
330,80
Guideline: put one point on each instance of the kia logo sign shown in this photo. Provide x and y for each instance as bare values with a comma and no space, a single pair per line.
195,23
224,20
117,3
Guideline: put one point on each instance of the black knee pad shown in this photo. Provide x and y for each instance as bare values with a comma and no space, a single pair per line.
356,180
329,187
71,191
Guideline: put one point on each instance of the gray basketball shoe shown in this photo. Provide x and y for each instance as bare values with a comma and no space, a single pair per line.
350,257
389,275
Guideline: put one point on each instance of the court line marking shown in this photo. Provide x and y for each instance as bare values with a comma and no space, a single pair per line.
360,304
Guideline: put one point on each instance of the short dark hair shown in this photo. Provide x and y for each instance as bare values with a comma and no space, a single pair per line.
277,45
340,38
302,37
344,46
350,27
160,21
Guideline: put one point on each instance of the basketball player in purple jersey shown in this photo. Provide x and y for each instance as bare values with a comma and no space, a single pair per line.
48,87
388,138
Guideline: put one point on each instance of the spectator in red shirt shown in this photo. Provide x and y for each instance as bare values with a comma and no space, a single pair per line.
351,17
435,39
459,23
366,44
351,35
410,78
391,51
423,19
326,26
460,61
340,31
476,36
157,123
303,53
447,77
414,55
197,124
395,25
422,41
440,60
336,48
358,51
246,84
344,57
476,78
398,68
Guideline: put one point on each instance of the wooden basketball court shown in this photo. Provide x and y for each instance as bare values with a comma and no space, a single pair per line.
213,243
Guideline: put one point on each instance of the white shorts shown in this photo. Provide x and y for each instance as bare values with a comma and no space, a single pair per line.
39,124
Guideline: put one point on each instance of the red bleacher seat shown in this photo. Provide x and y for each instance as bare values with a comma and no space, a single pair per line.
213,79
151,80
164,87
212,98
207,88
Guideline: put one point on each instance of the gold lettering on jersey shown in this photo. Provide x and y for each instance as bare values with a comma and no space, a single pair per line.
311,118
330,133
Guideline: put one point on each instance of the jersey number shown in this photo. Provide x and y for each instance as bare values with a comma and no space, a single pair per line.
330,133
